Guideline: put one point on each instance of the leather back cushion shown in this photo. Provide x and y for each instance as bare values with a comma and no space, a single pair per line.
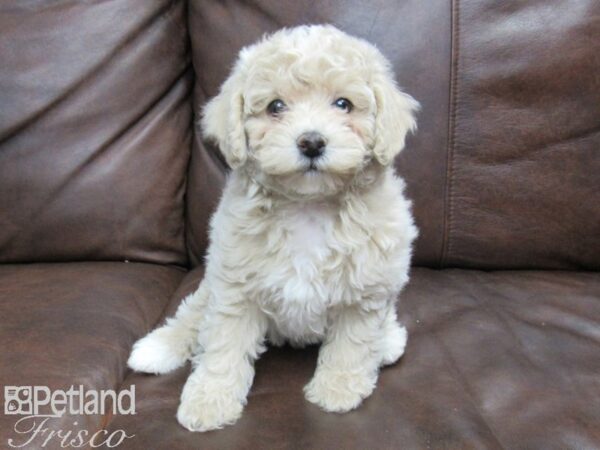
504,171
524,150
95,130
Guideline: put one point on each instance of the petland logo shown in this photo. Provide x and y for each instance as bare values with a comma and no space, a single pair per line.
39,406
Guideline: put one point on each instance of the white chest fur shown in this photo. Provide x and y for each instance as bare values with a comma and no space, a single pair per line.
306,228
299,260
297,283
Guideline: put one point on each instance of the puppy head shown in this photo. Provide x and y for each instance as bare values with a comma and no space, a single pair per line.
308,109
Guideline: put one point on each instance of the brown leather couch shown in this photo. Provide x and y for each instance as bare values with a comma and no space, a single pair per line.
106,189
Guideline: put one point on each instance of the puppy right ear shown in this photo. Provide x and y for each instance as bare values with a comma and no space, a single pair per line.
222,121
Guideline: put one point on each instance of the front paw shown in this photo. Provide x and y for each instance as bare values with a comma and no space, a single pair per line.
339,391
205,408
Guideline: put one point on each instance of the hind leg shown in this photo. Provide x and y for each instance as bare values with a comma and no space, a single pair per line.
171,345
394,339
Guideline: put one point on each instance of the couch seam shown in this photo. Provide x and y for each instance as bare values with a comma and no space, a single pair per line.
192,129
452,102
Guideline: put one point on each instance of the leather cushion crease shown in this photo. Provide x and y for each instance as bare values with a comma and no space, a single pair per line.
102,161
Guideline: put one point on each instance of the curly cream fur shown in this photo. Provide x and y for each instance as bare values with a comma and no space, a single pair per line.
297,255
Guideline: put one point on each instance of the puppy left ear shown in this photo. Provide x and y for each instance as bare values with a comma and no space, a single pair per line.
222,121
395,117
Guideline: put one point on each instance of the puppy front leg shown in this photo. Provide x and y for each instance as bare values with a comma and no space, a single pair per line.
349,360
215,393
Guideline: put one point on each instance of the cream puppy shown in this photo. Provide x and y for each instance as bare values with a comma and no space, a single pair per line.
311,241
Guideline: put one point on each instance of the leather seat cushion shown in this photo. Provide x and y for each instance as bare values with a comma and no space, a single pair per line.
494,360
74,324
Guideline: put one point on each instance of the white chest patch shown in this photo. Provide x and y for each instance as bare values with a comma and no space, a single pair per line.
297,283
307,229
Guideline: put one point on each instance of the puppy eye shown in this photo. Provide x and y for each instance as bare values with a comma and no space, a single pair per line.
277,106
344,104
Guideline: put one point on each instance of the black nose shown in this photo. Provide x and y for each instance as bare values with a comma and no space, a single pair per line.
311,144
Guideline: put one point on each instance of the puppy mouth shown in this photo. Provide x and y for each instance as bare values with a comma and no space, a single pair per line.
312,167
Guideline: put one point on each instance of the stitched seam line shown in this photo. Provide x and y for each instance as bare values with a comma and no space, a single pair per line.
453,95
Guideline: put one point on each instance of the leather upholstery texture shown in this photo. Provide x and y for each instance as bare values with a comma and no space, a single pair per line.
495,360
107,187
95,130
71,324
524,172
